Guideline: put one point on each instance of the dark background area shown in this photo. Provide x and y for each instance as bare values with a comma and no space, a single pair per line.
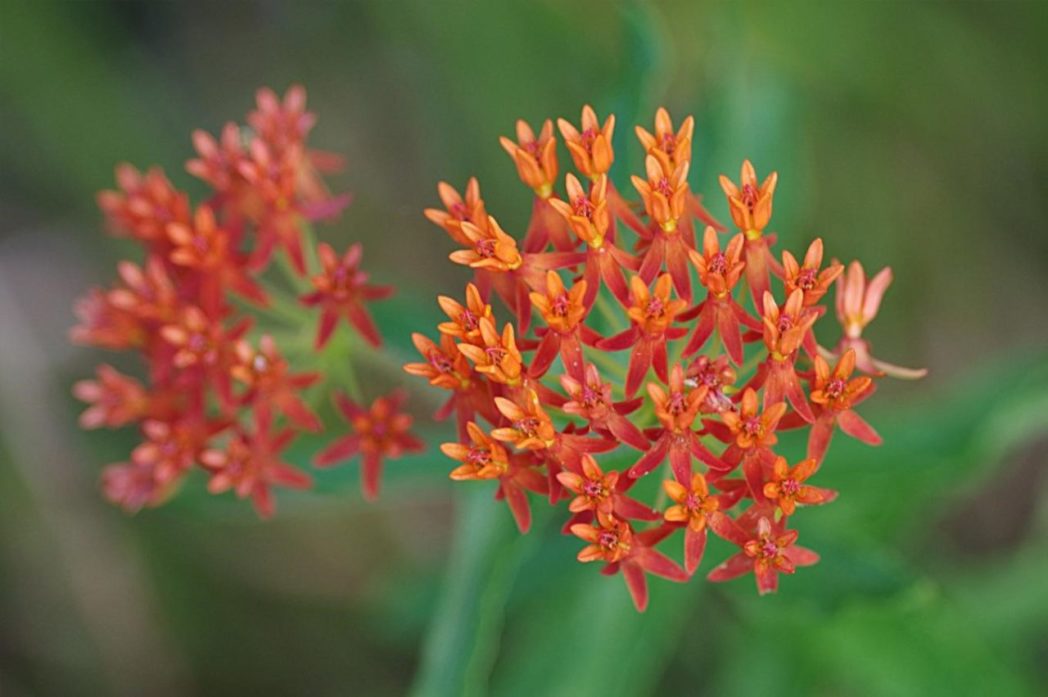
909,134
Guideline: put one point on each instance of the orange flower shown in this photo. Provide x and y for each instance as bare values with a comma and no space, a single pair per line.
611,540
693,505
614,542
857,303
587,213
341,291
171,448
148,292
676,411
719,272
784,331
807,277
446,367
651,314
250,464
718,376
381,431
133,486
145,204
270,383
563,311
591,149
787,487
496,356
750,207
594,490
664,192
469,209
784,328
206,248
465,319
749,203
491,248
837,394
671,149
833,390
767,551
483,458
530,426
282,123
748,428
102,323
536,158
589,218
600,493
217,163
116,399
196,338
653,311
591,400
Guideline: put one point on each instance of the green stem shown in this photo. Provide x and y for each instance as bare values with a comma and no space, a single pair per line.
463,639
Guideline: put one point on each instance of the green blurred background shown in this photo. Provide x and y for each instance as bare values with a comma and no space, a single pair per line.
910,134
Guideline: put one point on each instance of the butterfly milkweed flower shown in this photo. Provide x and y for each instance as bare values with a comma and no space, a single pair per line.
218,391
569,313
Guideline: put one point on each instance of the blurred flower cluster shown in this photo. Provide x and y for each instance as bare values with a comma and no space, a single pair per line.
725,363
219,394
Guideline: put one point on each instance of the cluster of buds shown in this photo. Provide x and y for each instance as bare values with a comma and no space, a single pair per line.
218,394
721,372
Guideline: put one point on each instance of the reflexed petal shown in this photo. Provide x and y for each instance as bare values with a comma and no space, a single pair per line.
694,547
735,566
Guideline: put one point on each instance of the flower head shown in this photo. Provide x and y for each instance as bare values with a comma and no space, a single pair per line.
671,148
490,248
807,277
787,488
590,147
858,300
586,212
497,355
116,399
750,203
593,488
786,327
341,291
535,157
145,204
458,210
380,431
464,320
664,192
250,465
693,506
751,427
530,427
482,458
561,309
767,551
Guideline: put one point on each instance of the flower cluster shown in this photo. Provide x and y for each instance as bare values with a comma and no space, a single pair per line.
719,334
218,394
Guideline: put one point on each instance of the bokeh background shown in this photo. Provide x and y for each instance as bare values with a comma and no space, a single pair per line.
910,134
